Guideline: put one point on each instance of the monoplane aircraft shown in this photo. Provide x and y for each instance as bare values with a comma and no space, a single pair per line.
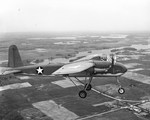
92,66
88,67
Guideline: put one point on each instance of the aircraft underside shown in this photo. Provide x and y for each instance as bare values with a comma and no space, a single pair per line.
87,85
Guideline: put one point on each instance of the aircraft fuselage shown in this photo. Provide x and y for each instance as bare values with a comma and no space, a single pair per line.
102,69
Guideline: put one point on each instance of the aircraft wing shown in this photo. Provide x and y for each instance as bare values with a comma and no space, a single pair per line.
74,68
99,57
88,57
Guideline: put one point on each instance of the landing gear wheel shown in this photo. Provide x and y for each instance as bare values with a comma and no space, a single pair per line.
121,91
89,87
82,94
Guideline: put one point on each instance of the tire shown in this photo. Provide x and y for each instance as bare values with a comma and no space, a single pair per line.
89,87
82,94
121,90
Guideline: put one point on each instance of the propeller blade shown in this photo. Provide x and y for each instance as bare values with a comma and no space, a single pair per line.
113,62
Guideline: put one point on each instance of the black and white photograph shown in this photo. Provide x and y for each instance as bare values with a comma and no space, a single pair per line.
74,59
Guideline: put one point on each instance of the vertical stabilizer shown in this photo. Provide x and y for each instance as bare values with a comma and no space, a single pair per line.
14,59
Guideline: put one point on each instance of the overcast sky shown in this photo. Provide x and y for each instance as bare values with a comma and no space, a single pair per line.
74,15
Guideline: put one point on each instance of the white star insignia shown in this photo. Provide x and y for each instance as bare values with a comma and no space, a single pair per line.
39,70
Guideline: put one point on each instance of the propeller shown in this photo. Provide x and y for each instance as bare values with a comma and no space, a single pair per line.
112,58
113,61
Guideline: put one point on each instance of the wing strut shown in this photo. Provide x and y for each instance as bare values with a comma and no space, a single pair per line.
73,82
87,87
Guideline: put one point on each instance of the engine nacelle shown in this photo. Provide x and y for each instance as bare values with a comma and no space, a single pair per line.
99,71
96,71
102,64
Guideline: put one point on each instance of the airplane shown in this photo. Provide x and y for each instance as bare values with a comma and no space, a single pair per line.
88,67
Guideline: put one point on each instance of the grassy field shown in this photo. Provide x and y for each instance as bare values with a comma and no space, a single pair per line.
17,104
28,43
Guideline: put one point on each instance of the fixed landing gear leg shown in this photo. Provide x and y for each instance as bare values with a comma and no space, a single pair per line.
120,90
82,93
88,86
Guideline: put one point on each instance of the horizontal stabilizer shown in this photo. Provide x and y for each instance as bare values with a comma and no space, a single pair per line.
10,72
6,71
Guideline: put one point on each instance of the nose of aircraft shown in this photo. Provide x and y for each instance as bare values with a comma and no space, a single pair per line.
124,69
120,68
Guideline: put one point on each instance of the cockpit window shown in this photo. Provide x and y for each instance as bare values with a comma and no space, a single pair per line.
101,58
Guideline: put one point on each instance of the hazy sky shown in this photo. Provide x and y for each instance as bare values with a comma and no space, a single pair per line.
74,15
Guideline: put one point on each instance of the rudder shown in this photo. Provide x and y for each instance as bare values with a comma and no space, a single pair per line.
14,59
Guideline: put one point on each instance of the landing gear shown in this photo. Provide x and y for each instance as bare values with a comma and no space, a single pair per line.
120,90
82,94
88,87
